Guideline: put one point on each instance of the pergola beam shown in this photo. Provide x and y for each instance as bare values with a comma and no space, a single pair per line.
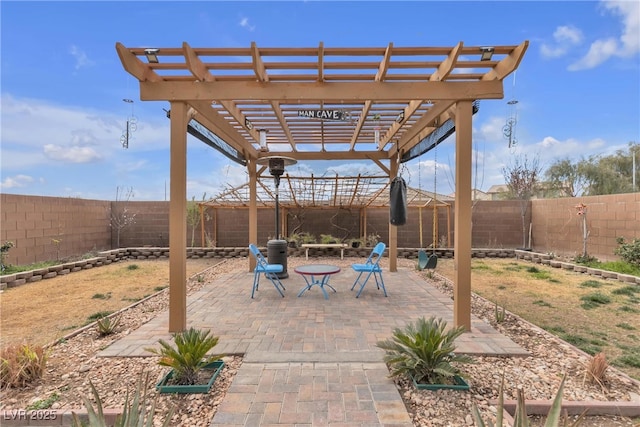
319,91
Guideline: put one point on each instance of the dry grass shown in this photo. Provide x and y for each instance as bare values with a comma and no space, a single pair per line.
44,311
597,369
568,304
21,364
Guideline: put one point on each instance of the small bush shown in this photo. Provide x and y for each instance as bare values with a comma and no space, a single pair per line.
21,365
631,360
627,290
591,284
629,309
597,368
500,313
101,296
4,249
133,267
594,300
542,303
585,259
630,252
591,347
98,315
107,325
625,326
44,404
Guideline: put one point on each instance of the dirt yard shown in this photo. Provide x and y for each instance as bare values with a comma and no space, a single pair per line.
592,313
548,297
47,310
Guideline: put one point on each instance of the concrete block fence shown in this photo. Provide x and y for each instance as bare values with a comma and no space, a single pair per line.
550,260
146,253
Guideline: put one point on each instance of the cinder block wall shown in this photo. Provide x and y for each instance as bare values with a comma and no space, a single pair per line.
557,227
34,223
498,224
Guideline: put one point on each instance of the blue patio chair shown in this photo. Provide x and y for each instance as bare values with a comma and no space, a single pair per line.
371,266
269,270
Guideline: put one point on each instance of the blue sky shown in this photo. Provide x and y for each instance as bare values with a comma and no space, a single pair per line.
62,84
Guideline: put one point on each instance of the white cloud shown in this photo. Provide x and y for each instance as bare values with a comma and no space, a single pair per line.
16,181
71,154
82,60
599,52
625,46
244,23
565,37
630,14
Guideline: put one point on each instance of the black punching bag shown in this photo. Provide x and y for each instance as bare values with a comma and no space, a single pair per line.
398,201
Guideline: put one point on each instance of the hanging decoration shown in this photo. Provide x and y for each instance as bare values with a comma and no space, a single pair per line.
132,126
398,201
509,129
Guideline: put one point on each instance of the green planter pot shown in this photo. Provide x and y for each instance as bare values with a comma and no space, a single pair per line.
460,384
214,368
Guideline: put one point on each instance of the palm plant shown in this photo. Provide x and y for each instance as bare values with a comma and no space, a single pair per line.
189,356
425,350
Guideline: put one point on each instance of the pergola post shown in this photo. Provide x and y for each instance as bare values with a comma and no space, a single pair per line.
462,219
253,208
178,219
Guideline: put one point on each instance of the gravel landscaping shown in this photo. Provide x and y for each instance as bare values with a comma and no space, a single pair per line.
73,363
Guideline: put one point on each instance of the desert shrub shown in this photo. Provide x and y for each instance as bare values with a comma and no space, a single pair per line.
626,326
590,284
627,290
43,403
597,368
4,249
594,300
630,359
629,251
98,315
107,325
21,365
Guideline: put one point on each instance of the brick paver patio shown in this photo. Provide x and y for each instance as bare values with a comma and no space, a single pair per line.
310,361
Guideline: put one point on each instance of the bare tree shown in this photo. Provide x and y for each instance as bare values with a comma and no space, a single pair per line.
121,217
521,177
194,216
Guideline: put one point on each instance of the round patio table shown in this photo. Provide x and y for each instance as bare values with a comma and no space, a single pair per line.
317,275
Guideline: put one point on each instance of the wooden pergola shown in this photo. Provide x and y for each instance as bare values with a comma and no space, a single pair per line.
320,103
326,192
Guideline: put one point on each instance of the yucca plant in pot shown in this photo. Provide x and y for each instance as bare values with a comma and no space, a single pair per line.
192,370
424,351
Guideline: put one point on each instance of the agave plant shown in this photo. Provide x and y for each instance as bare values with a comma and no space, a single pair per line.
107,325
189,356
135,413
425,350
520,418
